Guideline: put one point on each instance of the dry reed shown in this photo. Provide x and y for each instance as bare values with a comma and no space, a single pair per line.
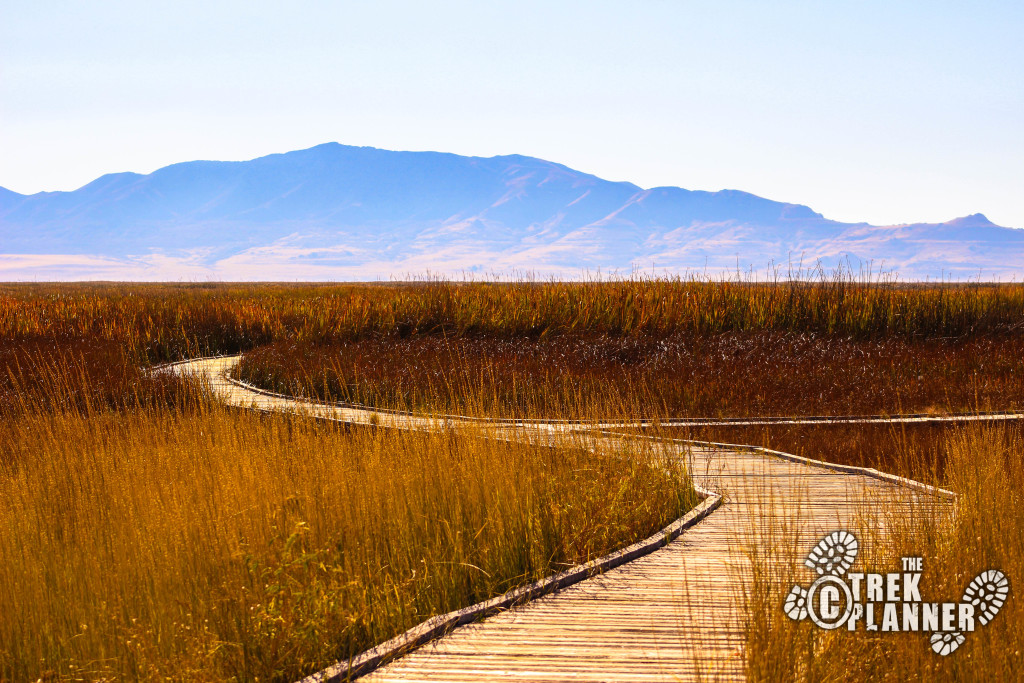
206,544
985,467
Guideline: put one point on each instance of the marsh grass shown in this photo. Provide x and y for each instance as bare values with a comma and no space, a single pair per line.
985,467
733,374
208,544
168,322
81,375
147,533
833,342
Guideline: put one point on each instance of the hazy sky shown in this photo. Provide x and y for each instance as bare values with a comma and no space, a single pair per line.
882,111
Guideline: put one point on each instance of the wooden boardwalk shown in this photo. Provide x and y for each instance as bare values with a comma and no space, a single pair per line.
673,615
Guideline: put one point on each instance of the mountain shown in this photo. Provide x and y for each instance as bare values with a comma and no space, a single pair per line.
339,212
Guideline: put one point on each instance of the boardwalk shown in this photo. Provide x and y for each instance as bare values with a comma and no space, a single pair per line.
672,615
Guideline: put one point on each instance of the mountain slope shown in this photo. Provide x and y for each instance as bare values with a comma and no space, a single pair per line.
336,211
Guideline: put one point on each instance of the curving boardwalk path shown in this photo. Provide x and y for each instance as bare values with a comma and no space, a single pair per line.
675,614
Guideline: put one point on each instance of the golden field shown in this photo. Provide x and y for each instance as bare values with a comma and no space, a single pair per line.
150,533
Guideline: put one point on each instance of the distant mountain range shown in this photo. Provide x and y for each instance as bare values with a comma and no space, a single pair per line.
346,213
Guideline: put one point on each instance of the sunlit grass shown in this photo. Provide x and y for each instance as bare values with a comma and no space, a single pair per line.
167,322
148,533
731,374
207,544
985,467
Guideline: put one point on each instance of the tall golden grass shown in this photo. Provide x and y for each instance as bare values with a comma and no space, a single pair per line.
205,544
167,322
150,534
985,467
729,374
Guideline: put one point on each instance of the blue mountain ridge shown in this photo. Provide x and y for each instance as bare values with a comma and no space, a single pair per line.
384,206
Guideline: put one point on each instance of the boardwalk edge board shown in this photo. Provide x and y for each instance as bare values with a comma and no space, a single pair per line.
846,469
977,416
925,418
435,627
821,464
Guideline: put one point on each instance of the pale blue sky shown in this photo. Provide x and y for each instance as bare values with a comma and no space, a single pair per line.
882,111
